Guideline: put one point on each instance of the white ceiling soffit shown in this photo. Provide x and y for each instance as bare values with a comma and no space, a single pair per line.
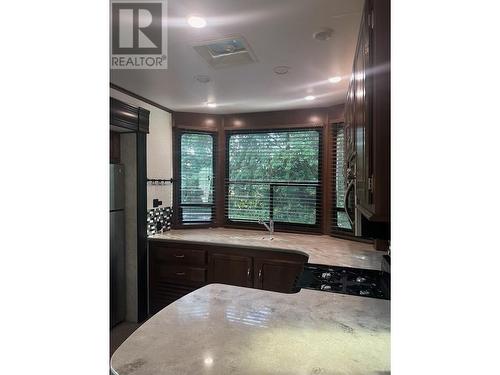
275,33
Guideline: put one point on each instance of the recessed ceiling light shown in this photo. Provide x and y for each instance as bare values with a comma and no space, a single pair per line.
310,97
335,79
202,78
208,361
323,34
197,22
282,69
211,105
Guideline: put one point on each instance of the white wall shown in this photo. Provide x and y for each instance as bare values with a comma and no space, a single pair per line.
159,147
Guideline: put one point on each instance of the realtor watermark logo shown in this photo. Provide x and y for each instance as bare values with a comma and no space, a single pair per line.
138,34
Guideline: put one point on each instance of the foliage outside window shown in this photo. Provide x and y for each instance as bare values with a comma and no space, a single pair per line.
196,172
274,175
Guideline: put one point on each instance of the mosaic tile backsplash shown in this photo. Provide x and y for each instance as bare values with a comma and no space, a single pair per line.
159,219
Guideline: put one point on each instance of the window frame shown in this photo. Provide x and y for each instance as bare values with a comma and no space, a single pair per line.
278,225
178,186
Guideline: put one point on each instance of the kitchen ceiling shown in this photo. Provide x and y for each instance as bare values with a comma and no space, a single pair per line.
279,33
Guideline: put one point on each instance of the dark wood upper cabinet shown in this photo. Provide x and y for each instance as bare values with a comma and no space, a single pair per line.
362,114
231,269
367,113
276,275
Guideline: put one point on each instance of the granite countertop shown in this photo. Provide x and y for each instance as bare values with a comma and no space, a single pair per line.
222,329
319,248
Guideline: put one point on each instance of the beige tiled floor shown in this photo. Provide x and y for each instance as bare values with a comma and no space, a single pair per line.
119,334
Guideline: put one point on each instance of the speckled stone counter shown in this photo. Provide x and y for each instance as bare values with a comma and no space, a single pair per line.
221,329
320,249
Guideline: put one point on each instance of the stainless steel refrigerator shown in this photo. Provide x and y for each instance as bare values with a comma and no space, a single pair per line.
117,243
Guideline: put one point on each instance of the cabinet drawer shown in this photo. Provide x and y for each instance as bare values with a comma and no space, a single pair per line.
181,273
174,255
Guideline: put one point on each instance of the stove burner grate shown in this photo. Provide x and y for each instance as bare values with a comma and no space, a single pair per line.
345,280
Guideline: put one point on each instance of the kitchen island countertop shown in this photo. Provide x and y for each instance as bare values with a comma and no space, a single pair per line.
320,249
222,329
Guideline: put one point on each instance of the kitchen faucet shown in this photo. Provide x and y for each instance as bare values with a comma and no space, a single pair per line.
269,227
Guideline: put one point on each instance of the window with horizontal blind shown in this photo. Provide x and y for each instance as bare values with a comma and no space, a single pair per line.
274,175
197,178
340,220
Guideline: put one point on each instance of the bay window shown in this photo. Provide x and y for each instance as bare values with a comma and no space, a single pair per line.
274,175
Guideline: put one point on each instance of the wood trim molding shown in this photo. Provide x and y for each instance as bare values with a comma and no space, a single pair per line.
176,176
139,97
142,237
143,120
326,178
128,117
289,119
220,177
196,121
276,119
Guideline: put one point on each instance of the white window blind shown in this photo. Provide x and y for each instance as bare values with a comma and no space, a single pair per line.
274,175
197,178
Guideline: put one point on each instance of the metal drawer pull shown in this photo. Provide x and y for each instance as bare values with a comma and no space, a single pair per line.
248,272
180,273
260,273
179,255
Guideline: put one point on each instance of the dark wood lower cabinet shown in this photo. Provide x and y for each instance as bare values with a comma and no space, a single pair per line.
176,269
163,293
276,275
231,269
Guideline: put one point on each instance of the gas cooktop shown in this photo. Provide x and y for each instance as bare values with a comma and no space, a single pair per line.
345,280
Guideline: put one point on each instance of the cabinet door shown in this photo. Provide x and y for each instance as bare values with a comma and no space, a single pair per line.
276,275
363,112
231,269
349,146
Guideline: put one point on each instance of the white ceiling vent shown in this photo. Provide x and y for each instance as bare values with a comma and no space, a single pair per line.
227,52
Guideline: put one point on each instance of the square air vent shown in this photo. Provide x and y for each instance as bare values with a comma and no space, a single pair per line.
227,52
